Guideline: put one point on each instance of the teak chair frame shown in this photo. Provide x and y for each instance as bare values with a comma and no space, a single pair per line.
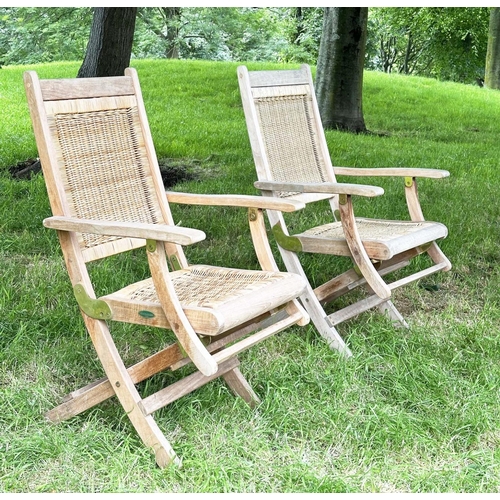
293,162
81,128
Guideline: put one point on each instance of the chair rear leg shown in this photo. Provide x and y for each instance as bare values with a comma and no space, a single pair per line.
390,309
325,328
240,386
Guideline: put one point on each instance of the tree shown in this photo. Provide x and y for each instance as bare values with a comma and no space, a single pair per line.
302,28
492,72
30,35
110,42
164,22
448,43
339,74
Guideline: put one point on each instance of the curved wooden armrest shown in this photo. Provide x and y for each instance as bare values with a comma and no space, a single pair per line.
429,173
235,200
321,187
160,232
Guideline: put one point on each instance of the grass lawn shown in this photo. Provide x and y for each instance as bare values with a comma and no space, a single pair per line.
412,411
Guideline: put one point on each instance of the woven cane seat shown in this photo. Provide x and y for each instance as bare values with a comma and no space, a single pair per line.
382,239
214,299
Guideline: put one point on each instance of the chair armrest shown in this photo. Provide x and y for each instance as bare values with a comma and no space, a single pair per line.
159,232
235,200
321,187
430,173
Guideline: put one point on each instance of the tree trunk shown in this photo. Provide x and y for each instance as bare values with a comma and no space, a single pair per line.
492,71
173,15
299,26
110,42
339,75
409,46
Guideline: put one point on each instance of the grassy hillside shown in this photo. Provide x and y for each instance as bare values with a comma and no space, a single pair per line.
412,411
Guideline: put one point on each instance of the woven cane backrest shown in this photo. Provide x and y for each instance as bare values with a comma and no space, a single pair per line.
102,165
291,136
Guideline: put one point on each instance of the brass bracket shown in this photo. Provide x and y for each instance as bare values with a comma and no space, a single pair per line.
253,214
425,247
94,308
151,246
336,214
176,265
291,243
342,199
408,182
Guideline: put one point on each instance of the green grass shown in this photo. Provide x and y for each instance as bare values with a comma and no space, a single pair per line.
412,411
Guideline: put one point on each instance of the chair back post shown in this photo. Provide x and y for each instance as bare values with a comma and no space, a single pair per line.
175,253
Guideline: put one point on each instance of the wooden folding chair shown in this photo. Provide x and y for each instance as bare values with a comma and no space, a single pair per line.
292,161
107,197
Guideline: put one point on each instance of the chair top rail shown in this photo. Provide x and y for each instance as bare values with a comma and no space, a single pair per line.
278,77
86,88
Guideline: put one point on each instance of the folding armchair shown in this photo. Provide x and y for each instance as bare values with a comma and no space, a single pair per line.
107,197
293,162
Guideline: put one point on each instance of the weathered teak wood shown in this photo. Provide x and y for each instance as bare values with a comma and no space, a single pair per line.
107,197
429,173
324,187
293,163
172,234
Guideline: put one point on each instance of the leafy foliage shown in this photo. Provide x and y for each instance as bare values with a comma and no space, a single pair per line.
219,33
31,35
441,42
304,27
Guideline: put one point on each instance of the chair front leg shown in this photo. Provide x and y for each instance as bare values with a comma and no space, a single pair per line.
357,249
173,310
416,214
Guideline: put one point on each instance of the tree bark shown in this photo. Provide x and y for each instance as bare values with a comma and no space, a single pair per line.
299,26
339,75
492,71
172,14
110,43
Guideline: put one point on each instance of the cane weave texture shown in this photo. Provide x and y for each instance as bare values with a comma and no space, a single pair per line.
382,238
289,139
105,169
206,286
370,229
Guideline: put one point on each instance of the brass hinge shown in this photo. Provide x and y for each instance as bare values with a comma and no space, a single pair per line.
408,182
291,243
94,308
253,214
151,246
174,261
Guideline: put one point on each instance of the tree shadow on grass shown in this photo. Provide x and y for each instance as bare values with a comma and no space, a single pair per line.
172,170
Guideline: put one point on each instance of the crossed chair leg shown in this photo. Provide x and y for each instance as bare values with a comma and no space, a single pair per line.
120,381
